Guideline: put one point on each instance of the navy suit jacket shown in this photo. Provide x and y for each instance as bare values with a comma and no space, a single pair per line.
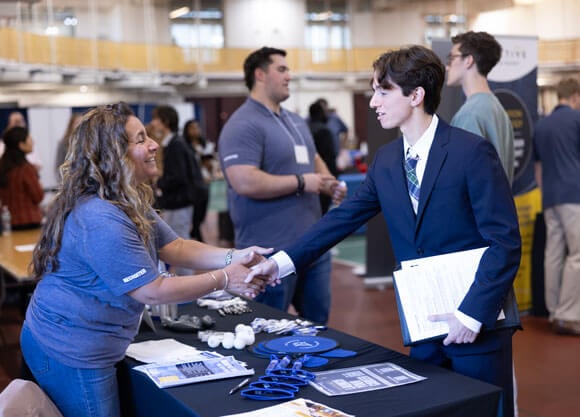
465,203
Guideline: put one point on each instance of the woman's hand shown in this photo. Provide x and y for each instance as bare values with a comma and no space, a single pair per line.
239,271
255,254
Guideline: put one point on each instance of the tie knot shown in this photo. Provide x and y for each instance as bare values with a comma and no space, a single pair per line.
412,159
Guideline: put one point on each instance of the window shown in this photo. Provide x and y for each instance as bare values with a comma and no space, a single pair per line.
197,24
326,27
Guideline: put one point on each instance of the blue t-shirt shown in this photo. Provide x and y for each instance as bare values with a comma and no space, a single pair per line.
256,136
557,147
81,314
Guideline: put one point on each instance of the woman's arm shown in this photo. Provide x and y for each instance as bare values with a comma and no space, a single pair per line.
178,289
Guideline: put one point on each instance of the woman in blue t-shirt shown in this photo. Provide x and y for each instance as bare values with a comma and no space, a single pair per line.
97,264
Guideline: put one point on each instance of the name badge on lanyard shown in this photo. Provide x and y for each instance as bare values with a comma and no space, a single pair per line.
301,153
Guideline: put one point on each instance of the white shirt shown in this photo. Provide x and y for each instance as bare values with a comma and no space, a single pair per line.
420,151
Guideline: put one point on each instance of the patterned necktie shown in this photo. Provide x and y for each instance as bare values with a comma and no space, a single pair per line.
412,181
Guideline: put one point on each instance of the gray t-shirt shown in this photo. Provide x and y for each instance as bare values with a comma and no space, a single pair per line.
256,136
483,114
81,314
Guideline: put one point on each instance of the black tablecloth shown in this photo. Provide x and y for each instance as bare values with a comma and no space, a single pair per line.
443,393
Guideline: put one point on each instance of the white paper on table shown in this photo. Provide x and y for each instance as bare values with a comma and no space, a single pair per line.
164,350
25,248
434,285
298,407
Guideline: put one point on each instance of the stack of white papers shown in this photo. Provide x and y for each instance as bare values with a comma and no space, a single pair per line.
164,350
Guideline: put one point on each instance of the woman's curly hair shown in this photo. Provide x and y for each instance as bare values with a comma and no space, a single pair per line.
96,164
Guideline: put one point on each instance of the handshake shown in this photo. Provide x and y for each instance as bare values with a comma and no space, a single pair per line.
251,272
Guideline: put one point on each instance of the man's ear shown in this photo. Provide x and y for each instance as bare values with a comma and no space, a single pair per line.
417,96
468,59
259,74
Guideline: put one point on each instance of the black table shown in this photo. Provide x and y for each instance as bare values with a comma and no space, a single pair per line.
443,393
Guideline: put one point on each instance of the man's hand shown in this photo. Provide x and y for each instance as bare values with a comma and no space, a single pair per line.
458,333
316,183
339,191
268,269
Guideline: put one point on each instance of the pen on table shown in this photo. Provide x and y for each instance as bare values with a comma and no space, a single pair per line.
240,385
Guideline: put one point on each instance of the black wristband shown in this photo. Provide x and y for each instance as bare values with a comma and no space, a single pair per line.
300,188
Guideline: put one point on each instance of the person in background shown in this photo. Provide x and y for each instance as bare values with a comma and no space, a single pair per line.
17,119
440,189
336,125
323,140
63,144
20,188
473,55
97,265
557,156
199,146
274,177
176,185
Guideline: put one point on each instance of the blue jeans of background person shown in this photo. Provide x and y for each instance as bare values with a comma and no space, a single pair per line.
86,392
308,292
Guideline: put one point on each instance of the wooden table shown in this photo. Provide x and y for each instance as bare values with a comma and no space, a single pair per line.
15,258
16,253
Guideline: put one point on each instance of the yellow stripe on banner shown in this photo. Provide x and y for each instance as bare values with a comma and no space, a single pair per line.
528,206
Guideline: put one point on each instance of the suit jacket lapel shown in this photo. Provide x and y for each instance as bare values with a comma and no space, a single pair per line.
437,155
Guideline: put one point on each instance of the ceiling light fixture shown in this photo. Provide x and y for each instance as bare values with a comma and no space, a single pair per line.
174,14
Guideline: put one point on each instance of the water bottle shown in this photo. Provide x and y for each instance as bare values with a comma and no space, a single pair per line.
6,221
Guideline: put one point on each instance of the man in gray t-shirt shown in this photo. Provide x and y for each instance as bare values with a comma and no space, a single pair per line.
472,57
274,177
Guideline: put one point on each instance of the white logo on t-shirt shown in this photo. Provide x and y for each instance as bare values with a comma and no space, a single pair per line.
137,274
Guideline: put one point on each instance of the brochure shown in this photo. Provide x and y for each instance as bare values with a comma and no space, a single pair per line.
363,378
299,407
205,369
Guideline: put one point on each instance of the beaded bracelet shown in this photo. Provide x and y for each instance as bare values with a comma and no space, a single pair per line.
215,279
229,256
227,279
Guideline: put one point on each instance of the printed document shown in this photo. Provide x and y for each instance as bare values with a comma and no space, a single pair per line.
433,285
300,407
363,378
205,369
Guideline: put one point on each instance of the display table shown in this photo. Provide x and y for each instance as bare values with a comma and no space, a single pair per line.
16,253
15,259
443,393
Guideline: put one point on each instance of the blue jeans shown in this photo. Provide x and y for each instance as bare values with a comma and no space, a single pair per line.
87,392
308,291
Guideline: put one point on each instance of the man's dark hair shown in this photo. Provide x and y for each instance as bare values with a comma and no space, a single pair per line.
409,68
484,48
168,116
259,59
567,87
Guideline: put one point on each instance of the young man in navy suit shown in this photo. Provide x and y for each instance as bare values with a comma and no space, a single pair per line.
464,202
